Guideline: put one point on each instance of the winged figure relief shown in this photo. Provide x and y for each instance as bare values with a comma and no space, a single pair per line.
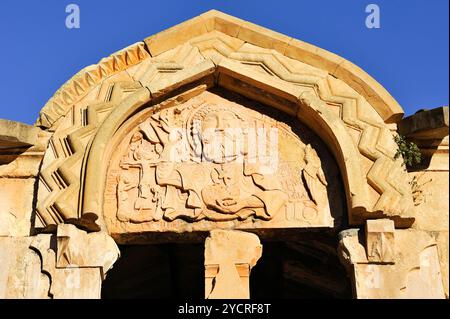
312,173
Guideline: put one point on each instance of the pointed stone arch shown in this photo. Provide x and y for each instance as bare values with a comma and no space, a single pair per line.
348,109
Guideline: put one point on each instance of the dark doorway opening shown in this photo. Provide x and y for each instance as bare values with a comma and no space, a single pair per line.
157,271
308,269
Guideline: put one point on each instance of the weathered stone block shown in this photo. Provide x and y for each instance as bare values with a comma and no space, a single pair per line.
229,257
380,240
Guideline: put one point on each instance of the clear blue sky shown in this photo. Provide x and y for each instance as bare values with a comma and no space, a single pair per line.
408,55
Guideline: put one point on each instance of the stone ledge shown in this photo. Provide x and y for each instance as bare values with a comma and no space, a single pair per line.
427,124
17,135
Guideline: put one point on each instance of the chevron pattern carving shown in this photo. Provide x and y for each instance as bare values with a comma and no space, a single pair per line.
61,178
75,124
376,142
81,83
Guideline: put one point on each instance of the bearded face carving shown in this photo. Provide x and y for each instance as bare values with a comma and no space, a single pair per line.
219,137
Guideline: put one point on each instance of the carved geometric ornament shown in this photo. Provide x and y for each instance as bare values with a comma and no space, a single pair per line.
349,112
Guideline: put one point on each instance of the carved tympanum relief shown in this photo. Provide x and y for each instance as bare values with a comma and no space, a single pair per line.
211,160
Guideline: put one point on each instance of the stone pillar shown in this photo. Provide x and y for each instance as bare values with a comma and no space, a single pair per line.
70,265
22,148
83,260
393,263
229,258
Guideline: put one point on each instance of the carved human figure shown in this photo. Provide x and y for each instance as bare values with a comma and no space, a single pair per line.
142,155
313,173
179,199
239,187
221,187
124,184
197,162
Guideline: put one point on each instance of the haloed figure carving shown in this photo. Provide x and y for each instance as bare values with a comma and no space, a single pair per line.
239,188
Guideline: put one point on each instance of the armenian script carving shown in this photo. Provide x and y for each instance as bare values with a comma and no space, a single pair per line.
214,160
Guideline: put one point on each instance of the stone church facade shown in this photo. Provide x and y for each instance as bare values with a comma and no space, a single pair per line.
220,159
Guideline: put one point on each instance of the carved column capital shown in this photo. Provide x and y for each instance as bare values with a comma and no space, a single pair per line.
380,241
229,257
77,248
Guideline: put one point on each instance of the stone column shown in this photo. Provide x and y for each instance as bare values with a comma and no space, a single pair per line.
85,258
71,264
77,263
229,257
391,263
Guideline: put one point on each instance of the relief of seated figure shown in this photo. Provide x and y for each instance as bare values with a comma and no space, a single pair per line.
221,185
211,162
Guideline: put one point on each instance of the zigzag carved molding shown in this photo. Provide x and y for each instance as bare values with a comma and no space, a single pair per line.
386,175
81,83
61,177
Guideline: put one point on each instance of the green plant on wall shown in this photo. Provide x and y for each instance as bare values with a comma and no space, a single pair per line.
417,188
409,151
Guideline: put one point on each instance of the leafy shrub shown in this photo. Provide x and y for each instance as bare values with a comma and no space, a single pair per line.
409,151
